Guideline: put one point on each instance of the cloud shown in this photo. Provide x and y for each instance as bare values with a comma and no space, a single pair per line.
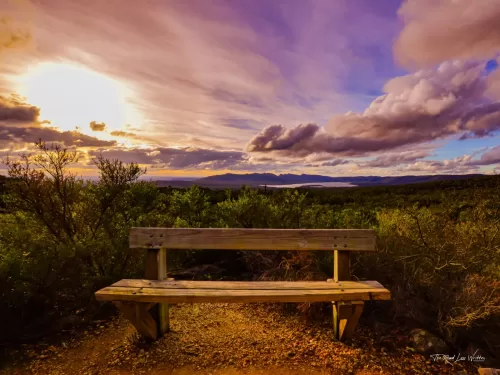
164,157
97,126
212,75
14,108
393,159
416,108
305,140
493,90
33,134
439,30
121,133
489,157
11,36
279,138
198,64
334,162
461,164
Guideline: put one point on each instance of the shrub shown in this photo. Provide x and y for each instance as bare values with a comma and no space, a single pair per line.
64,237
439,268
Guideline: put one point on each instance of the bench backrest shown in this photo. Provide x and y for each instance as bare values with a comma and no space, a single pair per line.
340,241
253,239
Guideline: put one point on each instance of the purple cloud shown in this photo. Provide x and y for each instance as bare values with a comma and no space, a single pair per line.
418,107
462,164
439,30
489,157
393,159
164,157
334,163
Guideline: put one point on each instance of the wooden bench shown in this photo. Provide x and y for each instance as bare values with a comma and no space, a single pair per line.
145,302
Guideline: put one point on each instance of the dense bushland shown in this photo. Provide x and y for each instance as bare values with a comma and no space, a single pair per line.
62,238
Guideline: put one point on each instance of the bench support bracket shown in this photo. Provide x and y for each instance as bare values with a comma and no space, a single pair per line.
345,318
139,315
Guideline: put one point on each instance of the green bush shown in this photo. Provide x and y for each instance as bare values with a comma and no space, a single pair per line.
62,237
442,269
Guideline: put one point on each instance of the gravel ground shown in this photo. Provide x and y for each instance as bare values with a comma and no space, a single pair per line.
224,339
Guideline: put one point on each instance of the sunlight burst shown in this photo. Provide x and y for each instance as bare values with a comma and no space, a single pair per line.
72,96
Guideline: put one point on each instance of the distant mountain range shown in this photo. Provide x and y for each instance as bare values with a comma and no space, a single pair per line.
231,180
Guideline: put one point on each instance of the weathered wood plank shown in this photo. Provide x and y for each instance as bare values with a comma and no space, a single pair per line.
250,285
253,239
237,295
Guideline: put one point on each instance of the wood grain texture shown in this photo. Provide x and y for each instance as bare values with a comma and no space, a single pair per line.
253,239
162,295
372,283
248,285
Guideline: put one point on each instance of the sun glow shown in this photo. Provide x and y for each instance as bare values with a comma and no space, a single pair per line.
71,96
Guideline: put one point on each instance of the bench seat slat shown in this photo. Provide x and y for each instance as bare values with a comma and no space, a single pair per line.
238,296
242,295
249,285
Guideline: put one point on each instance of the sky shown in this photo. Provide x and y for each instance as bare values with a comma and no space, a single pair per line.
191,88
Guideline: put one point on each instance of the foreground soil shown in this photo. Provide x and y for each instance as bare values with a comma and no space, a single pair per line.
226,339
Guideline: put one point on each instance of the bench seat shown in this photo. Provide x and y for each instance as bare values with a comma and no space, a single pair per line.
175,291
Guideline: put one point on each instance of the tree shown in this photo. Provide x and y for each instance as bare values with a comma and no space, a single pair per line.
42,185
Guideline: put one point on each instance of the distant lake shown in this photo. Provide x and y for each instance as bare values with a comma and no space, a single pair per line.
314,185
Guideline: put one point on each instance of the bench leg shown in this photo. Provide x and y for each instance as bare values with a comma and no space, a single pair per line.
345,318
162,309
138,314
163,318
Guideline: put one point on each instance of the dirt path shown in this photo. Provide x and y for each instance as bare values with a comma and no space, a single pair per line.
225,339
